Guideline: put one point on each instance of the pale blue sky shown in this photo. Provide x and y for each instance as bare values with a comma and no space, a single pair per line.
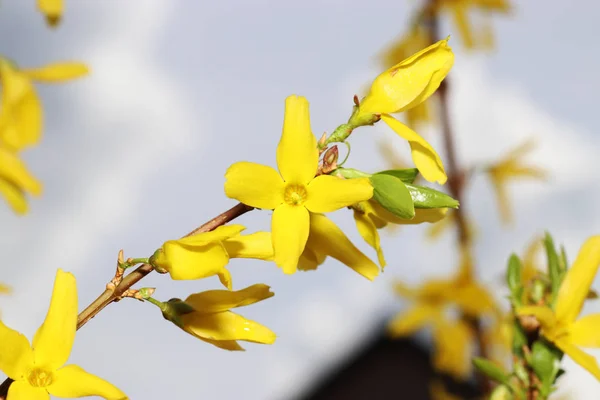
135,154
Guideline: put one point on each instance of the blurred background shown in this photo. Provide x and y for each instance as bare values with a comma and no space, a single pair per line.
135,154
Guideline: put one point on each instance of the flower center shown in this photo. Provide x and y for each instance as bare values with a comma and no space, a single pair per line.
295,195
38,377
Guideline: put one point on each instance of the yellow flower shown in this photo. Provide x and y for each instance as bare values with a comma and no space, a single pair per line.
38,369
5,289
326,239
53,10
404,86
460,9
371,216
561,326
510,168
15,180
415,40
213,321
529,264
294,191
21,110
206,254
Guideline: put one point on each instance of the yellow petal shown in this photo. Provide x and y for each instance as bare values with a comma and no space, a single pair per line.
580,357
225,278
422,215
15,171
185,262
328,193
327,239
310,259
578,280
289,228
254,184
424,156
461,19
297,154
53,340
57,72
52,9
405,291
452,353
409,82
15,353
368,231
25,118
227,326
585,331
502,200
230,345
256,245
14,197
474,300
222,300
221,233
22,390
73,381
407,323
543,314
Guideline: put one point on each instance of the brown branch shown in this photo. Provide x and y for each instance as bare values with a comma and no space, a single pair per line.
456,180
109,296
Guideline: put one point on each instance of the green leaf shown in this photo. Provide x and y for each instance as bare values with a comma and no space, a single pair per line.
502,392
513,278
492,370
554,267
545,361
405,175
519,339
424,197
393,195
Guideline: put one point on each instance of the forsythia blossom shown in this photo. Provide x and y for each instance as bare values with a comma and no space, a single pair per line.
404,86
16,180
560,324
38,369
294,192
52,9
208,316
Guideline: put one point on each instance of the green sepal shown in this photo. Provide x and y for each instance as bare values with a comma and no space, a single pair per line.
393,195
407,175
351,173
545,361
554,267
491,370
174,309
513,279
424,197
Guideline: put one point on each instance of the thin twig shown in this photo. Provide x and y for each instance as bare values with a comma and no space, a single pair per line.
109,296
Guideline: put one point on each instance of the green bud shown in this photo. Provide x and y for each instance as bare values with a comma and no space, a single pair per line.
405,175
538,290
146,292
554,267
393,195
513,279
361,119
424,197
501,392
340,133
490,369
545,361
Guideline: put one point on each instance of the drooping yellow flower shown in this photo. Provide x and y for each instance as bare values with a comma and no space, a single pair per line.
415,40
213,321
404,86
53,10
207,254
295,190
38,369
511,168
21,110
460,10
371,216
561,325
327,240
16,181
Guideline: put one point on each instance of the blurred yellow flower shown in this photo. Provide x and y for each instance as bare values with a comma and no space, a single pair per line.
38,369
460,10
21,110
511,168
5,289
295,190
530,268
16,180
327,240
370,216
435,231
213,321
52,9
438,391
208,253
561,326
415,40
